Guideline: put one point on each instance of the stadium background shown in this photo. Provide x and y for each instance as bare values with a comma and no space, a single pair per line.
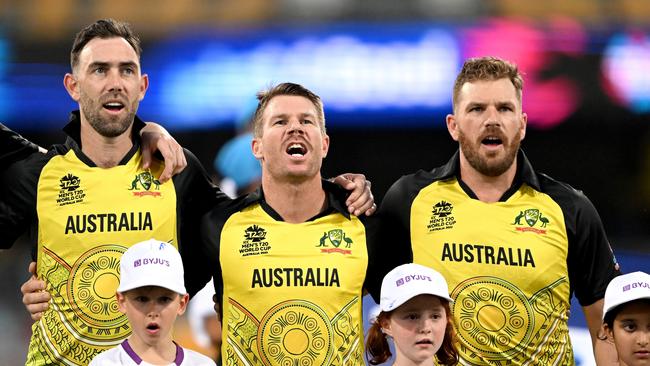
385,71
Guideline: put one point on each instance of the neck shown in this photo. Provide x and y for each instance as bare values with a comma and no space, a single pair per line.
295,201
162,352
401,360
105,152
487,189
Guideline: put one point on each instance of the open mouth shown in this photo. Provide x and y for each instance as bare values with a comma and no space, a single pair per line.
424,342
153,327
297,150
492,141
113,106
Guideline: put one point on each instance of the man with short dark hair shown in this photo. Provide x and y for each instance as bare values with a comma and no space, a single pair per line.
513,244
89,199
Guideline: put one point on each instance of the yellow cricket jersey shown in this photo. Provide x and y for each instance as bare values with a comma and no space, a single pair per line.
511,265
86,217
290,293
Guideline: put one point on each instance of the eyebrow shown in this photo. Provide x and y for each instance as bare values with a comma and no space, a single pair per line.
483,104
285,116
108,64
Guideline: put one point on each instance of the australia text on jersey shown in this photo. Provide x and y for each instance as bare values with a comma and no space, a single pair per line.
107,222
486,254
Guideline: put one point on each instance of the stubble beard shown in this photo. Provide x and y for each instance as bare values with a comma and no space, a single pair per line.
112,126
486,166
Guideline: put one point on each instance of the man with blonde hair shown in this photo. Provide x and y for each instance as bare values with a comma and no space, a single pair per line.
292,262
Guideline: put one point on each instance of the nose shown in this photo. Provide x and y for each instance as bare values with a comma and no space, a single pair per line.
114,81
643,339
492,117
153,312
295,126
426,326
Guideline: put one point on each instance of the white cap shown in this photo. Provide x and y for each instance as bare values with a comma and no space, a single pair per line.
626,288
152,263
409,280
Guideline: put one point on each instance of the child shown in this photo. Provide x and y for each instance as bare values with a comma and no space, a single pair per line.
626,314
151,294
415,312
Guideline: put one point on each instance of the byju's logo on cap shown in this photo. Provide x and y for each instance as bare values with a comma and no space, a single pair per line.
409,278
147,261
636,285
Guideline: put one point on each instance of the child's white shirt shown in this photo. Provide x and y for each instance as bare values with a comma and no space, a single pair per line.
124,355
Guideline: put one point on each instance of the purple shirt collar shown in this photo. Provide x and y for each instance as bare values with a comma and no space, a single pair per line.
134,356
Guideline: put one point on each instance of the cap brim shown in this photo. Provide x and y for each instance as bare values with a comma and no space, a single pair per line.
144,283
401,300
618,304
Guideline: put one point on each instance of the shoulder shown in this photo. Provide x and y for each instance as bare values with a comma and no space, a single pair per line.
336,196
193,168
406,188
220,213
194,358
192,160
14,147
195,184
570,199
109,357
25,173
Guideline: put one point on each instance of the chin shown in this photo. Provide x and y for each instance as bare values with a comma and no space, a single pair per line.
300,174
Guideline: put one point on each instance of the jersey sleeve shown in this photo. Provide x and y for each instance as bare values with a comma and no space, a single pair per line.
197,195
389,236
591,261
13,147
212,224
18,198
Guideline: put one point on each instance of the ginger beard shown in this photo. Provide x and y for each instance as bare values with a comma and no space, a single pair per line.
490,164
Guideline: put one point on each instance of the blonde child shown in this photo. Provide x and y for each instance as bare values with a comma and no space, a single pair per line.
626,317
414,312
151,294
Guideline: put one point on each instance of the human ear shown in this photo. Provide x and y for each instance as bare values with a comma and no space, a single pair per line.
184,299
384,325
121,302
326,145
524,123
452,126
71,86
144,85
256,146
609,333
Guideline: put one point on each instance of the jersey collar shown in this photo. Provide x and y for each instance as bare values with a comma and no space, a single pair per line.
525,174
73,130
334,194
180,355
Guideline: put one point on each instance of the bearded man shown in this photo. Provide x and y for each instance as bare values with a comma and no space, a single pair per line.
511,279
